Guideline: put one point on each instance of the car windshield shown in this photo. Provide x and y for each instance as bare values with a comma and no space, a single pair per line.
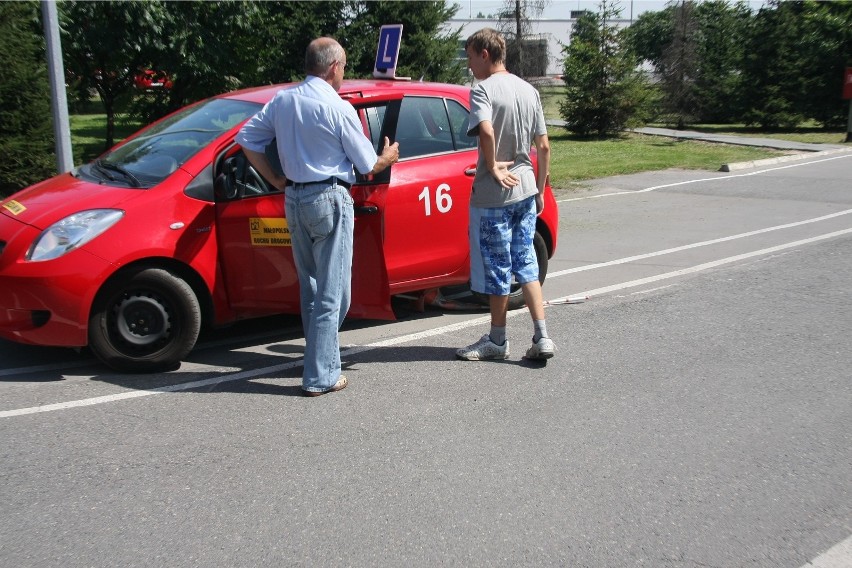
147,159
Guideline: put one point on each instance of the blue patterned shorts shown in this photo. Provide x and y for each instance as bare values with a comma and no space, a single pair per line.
501,244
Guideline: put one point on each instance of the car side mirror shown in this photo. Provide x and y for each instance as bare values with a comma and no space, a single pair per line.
225,187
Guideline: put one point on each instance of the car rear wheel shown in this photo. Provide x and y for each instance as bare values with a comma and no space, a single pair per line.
147,321
516,295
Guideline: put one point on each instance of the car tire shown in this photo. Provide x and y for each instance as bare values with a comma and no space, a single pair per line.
516,295
146,321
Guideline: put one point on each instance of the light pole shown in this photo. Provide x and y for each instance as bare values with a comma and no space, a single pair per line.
58,99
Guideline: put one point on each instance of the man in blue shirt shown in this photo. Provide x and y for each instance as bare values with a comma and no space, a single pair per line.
319,139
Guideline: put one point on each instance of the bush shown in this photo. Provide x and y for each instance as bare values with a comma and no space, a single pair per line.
26,136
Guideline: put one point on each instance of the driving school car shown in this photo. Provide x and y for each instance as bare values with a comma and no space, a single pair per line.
172,229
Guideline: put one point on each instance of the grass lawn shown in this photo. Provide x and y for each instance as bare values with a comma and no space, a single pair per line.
88,134
574,160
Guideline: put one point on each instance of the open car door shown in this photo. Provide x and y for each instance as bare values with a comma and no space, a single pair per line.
256,254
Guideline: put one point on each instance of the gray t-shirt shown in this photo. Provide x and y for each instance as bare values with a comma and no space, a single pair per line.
514,109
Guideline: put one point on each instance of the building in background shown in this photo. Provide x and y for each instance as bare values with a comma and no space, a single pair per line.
543,46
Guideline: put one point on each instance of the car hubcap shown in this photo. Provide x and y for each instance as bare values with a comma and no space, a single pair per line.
142,320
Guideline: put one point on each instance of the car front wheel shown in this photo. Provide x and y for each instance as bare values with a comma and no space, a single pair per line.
146,321
516,295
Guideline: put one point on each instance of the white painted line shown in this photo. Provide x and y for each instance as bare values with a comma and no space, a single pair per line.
838,556
694,245
405,338
709,265
690,181
140,393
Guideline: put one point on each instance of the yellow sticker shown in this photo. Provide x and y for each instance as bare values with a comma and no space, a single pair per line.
269,232
14,207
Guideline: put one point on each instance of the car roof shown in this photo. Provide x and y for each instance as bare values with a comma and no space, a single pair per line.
356,88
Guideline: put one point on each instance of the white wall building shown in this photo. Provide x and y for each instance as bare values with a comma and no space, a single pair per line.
557,32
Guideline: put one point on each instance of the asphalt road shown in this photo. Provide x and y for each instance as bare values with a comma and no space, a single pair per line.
698,412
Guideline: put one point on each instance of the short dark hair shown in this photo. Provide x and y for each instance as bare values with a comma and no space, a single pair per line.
490,39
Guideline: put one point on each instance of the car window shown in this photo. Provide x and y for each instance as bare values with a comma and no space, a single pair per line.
458,124
423,127
374,118
150,156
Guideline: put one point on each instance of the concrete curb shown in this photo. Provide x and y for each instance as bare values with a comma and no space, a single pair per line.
781,159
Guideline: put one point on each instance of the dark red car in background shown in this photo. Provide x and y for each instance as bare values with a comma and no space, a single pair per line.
149,80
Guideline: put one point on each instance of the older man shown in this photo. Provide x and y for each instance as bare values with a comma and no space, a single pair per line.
319,139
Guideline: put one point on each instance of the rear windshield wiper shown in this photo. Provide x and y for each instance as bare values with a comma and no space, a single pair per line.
104,165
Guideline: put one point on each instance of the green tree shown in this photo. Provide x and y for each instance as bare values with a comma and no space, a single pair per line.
720,51
772,83
105,44
796,54
679,66
206,48
649,35
825,52
426,52
707,52
283,32
26,137
604,91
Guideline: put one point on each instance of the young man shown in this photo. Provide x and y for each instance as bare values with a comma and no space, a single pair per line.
507,116
320,139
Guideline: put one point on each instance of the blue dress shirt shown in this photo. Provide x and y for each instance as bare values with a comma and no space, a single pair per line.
318,134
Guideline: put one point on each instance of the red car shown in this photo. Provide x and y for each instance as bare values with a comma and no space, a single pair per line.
149,79
172,228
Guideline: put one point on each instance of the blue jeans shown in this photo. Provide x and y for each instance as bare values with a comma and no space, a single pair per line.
321,220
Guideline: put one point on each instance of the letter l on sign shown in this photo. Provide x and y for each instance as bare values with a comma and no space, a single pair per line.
387,55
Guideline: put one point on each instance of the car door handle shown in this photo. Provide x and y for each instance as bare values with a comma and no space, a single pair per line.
366,209
470,172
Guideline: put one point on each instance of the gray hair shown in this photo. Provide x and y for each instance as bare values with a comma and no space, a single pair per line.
321,54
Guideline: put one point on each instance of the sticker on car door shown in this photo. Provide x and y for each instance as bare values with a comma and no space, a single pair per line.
269,232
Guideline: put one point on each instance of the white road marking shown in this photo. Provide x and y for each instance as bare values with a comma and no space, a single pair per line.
695,245
700,180
271,370
709,265
838,556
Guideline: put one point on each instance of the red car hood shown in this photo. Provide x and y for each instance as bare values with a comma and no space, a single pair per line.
44,203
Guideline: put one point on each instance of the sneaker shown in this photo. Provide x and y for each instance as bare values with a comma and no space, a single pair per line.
543,349
484,349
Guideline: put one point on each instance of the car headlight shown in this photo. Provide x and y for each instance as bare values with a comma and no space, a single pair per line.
72,232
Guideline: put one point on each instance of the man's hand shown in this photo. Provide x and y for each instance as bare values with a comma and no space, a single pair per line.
389,155
539,203
501,173
278,181
391,151
264,168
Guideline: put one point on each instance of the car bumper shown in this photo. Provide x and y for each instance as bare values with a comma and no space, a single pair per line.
45,303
